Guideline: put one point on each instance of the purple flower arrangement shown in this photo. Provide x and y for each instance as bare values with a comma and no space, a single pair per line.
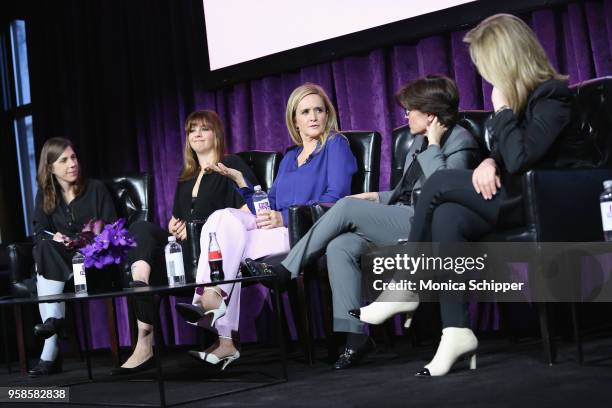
103,245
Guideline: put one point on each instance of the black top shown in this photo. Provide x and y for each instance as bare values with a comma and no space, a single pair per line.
538,138
215,192
95,202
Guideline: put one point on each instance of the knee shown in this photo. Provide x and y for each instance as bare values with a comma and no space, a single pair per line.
344,206
141,271
340,247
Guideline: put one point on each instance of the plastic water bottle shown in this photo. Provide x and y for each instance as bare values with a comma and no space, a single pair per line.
78,272
174,262
260,200
605,202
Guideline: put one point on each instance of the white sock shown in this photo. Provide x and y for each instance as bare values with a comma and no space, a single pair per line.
57,310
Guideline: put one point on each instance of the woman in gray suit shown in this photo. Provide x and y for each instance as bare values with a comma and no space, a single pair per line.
356,223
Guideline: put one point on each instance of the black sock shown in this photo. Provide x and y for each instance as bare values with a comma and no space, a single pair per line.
355,341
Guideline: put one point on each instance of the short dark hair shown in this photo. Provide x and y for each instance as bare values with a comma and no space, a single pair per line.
434,94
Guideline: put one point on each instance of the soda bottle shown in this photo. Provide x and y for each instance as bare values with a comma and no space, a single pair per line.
78,271
215,259
605,202
174,262
260,200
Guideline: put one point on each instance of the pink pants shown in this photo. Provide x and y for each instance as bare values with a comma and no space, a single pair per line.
238,238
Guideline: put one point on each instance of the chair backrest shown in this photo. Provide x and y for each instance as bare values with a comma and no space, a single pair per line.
264,165
365,146
592,117
473,121
132,196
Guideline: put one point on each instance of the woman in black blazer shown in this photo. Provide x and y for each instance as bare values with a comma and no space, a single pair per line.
532,106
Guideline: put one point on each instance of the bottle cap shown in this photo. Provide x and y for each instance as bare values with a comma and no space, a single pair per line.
171,238
257,188
607,184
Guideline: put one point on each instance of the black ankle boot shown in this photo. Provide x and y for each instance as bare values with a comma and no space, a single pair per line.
50,327
46,367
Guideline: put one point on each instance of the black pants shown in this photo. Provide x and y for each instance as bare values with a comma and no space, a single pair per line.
450,210
54,262
150,240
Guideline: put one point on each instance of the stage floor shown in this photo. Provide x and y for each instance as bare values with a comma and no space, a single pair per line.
508,375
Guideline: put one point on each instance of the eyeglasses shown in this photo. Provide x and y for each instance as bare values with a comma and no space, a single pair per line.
407,112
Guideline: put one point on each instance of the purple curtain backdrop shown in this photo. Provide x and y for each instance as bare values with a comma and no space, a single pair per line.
119,78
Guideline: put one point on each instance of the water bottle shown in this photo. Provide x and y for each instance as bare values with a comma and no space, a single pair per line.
78,272
605,202
260,200
215,259
174,262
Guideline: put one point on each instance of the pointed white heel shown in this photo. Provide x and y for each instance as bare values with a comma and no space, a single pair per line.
213,359
378,312
456,342
217,313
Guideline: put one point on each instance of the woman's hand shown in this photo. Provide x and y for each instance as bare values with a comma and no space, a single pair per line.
269,219
370,196
178,228
235,175
59,237
485,179
435,131
498,99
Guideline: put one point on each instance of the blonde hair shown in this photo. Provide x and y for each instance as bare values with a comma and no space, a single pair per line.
296,96
509,56
191,166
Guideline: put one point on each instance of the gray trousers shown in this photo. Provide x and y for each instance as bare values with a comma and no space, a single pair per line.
346,231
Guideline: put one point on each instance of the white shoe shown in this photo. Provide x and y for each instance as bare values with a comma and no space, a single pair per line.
213,359
456,342
217,313
378,312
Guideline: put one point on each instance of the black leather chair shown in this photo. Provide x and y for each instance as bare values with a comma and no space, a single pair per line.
132,197
365,145
264,165
549,215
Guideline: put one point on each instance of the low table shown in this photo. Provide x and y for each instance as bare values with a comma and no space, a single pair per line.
155,292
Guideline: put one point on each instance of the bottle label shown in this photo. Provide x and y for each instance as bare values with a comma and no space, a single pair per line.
261,205
78,271
174,264
215,255
606,215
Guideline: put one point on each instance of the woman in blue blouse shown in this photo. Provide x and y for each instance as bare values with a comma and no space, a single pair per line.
318,169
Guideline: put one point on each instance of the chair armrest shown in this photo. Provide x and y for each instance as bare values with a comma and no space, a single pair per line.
302,217
21,268
563,204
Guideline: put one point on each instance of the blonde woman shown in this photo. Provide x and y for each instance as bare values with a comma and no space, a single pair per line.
318,169
532,110
199,192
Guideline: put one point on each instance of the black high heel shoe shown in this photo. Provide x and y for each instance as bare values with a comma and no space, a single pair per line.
50,327
46,367
145,365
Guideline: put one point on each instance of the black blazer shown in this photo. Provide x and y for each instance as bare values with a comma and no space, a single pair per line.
539,137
